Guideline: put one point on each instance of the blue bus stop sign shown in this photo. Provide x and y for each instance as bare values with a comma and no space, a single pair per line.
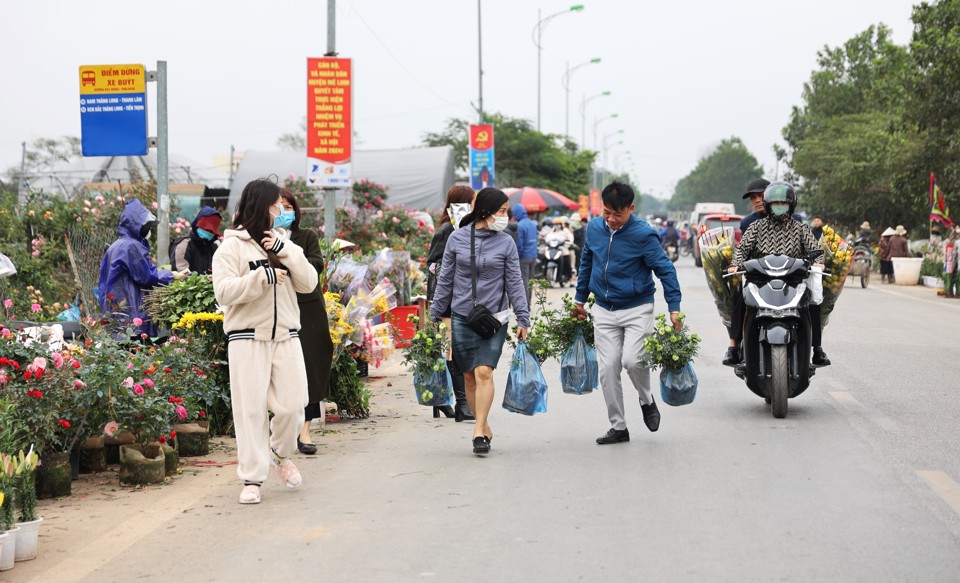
113,110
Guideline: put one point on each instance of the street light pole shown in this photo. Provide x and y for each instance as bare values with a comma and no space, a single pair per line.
583,115
537,35
480,57
566,87
597,122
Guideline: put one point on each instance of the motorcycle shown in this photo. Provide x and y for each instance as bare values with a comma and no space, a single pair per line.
686,246
672,251
553,261
776,330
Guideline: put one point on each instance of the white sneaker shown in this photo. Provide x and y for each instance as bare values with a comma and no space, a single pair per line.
250,494
288,473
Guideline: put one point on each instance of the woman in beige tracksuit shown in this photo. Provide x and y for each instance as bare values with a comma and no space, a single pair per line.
256,277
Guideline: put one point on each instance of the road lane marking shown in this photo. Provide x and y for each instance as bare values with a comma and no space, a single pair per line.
944,486
851,403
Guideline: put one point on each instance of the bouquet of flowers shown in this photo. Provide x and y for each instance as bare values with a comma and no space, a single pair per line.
716,252
345,276
378,342
668,348
426,357
837,257
340,327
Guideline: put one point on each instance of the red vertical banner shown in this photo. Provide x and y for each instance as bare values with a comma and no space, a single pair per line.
329,122
482,173
595,202
584,202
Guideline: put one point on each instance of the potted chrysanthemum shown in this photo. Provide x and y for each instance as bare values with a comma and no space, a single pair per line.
427,360
672,351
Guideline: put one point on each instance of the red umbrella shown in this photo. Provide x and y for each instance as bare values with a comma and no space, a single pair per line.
537,200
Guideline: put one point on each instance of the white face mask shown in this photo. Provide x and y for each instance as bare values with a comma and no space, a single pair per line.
499,224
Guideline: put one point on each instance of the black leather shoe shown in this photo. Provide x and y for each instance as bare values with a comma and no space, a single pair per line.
732,357
462,413
820,357
614,436
306,448
481,445
651,415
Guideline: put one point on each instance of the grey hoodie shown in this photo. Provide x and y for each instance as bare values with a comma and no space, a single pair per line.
498,267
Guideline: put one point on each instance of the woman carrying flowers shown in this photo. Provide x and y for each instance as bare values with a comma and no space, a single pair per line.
256,278
479,249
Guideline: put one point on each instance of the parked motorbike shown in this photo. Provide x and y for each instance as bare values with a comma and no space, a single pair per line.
553,262
776,331
686,246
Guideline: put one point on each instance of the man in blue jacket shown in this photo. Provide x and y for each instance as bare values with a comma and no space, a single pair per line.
620,254
526,245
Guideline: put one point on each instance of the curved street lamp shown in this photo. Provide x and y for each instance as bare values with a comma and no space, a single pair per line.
566,86
537,35
597,122
583,115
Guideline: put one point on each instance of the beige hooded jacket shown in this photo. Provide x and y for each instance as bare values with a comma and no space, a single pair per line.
254,306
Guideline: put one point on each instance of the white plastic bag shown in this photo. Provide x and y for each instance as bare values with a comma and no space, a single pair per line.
6,266
815,284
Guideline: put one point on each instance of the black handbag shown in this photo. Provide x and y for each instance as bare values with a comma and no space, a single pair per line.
480,319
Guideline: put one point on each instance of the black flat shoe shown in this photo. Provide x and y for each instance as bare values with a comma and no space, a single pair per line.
651,415
481,445
306,448
447,411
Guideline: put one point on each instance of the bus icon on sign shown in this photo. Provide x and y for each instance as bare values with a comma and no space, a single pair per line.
88,78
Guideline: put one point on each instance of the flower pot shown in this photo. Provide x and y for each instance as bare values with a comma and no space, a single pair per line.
192,439
932,281
92,455
906,270
139,466
54,475
171,459
112,445
9,550
27,539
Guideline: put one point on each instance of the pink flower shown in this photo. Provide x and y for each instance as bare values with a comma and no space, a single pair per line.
129,365
181,412
127,382
41,362
35,307
8,303
5,332
154,204
57,359
396,219
138,389
36,254
78,384
148,382
111,428
137,321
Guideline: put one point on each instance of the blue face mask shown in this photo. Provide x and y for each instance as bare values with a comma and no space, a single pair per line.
285,219
205,234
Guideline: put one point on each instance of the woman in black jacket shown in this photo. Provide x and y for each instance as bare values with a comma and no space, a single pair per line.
314,327
456,195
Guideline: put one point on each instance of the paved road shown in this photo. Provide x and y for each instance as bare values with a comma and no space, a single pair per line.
858,483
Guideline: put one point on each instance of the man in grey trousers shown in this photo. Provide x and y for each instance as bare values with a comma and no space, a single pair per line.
620,255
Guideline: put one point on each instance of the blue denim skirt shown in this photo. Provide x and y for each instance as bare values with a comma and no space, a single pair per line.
470,350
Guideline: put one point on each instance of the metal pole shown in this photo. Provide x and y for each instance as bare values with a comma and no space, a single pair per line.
480,56
330,194
539,50
566,86
230,181
22,187
163,176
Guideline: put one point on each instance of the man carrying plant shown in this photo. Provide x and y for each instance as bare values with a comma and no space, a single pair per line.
620,255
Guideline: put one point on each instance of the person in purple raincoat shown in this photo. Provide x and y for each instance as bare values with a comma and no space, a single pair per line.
127,271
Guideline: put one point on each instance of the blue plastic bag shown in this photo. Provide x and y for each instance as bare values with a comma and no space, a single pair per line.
579,372
434,389
678,387
526,391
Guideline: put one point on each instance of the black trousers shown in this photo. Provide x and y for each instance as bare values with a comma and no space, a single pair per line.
736,325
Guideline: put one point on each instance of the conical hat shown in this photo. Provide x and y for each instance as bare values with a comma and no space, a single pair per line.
888,232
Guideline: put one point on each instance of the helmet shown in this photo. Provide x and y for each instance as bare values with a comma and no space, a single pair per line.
669,223
779,191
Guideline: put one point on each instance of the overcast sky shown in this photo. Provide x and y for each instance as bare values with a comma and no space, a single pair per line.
683,74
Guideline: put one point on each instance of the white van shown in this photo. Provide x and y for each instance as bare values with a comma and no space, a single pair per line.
703,209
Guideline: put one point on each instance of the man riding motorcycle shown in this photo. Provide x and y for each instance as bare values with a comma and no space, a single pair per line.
778,234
